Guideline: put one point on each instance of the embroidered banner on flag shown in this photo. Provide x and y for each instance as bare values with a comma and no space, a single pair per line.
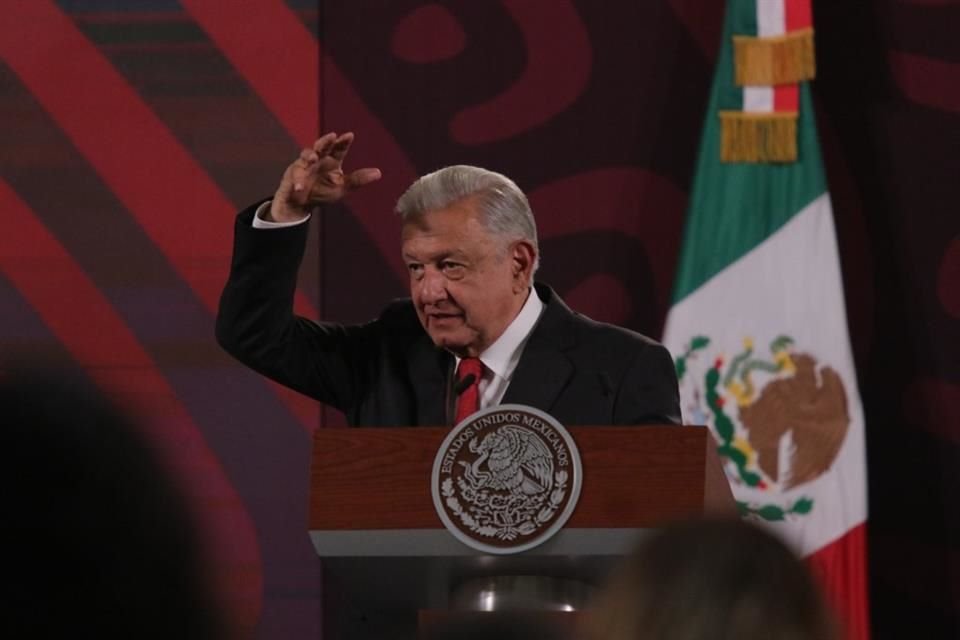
772,52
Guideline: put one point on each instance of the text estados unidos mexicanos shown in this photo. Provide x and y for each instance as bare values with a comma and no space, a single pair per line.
499,419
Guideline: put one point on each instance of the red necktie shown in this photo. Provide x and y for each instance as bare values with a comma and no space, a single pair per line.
468,400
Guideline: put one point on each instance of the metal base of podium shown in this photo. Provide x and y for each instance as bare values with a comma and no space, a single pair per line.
379,597
521,593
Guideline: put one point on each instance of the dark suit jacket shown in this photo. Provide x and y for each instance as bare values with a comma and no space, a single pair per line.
388,372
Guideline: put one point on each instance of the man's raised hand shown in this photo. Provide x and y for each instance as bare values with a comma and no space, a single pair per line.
317,177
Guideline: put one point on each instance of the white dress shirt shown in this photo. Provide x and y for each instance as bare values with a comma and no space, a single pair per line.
260,223
500,359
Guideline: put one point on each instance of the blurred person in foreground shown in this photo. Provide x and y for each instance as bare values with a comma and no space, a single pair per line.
98,542
716,579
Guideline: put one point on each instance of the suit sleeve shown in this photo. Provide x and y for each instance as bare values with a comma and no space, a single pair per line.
256,323
649,393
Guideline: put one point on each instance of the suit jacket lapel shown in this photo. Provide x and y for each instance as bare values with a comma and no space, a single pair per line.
544,369
429,370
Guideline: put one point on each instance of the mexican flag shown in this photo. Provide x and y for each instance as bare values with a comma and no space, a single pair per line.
758,326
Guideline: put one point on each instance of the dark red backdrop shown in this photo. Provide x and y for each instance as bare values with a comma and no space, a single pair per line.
132,130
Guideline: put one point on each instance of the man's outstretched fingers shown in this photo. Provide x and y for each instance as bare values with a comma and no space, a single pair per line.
340,147
322,145
317,177
361,177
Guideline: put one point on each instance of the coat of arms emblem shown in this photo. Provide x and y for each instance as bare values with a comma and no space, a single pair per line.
779,419
506,479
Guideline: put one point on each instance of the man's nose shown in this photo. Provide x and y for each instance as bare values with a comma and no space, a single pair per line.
433,287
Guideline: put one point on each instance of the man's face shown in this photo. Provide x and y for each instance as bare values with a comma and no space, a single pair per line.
466,284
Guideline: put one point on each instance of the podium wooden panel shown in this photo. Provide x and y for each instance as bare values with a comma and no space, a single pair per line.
386,553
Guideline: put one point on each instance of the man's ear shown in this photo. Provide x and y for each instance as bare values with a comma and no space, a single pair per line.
523,256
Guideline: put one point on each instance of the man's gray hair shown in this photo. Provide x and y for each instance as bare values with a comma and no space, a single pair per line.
504,208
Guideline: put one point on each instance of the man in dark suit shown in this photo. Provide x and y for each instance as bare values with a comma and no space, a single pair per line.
475,332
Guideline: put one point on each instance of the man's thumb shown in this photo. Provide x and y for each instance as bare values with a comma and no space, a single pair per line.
362,177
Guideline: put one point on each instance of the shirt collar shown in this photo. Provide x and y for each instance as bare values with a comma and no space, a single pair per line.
502,356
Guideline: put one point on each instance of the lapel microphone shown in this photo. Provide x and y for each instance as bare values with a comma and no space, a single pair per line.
463,383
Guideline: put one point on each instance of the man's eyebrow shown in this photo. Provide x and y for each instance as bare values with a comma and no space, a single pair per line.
433,257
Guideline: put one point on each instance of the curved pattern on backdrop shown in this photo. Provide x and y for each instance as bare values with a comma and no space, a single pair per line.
140,127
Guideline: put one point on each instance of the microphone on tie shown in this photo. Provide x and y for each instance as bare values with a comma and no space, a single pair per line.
463,384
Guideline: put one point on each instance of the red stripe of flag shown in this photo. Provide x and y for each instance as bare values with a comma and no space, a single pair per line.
841,570
786,97
69,303
797,15
153,175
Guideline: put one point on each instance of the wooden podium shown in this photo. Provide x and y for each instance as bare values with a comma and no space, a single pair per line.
386,554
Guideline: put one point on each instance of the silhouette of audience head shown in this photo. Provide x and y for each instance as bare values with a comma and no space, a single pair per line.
711,579
99,542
